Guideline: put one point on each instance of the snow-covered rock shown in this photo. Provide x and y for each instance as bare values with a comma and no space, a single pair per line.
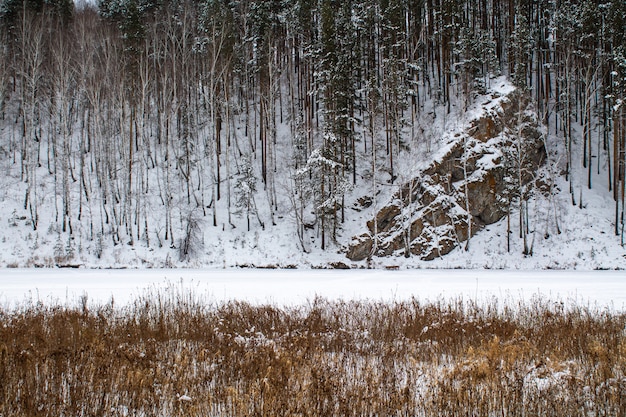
471,185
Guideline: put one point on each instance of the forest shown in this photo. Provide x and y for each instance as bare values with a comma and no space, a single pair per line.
153,121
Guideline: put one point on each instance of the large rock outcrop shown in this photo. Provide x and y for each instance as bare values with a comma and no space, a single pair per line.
464,189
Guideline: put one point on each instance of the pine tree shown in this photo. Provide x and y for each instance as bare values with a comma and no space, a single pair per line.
245,188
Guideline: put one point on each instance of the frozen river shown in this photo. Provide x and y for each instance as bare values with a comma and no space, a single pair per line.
603,289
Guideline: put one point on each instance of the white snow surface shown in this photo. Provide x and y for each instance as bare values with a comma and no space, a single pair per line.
595,289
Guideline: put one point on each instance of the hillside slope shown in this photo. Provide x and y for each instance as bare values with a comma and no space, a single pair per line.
561,235
265,133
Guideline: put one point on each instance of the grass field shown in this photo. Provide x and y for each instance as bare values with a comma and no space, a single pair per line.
172,354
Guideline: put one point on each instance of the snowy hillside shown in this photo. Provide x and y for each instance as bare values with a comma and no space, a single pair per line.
586,239
271,134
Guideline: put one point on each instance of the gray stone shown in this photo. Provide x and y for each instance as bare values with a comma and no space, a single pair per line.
437,199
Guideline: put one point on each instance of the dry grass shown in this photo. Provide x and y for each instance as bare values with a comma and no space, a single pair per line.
326,358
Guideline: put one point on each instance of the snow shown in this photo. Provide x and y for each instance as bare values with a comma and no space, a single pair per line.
597,289
185,398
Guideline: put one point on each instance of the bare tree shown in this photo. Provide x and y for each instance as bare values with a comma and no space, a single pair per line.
31,43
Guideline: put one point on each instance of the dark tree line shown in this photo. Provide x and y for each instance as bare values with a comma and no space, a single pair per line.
135,104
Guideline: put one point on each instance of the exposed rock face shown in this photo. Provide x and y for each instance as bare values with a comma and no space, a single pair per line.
463,190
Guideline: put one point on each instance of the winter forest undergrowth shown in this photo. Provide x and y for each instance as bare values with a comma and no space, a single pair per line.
276,133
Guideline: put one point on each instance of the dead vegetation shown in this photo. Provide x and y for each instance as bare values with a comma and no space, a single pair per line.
172,354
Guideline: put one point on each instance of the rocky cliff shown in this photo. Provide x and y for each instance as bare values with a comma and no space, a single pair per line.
479,173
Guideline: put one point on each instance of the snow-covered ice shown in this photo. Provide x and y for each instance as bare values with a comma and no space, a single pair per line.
601,289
